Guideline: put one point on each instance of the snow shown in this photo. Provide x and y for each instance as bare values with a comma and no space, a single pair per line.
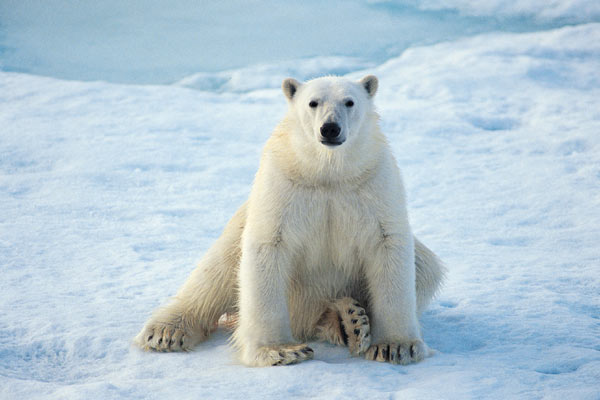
111,192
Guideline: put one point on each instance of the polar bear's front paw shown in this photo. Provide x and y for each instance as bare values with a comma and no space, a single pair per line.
283,354
166,337
404,353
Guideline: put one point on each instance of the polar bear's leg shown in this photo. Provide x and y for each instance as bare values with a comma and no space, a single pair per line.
345,322
391,279
209,292
264,335
429,275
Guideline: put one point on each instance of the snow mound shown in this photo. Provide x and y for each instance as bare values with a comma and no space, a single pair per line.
268,76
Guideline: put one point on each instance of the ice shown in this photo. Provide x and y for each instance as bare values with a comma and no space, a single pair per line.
152,42
109,193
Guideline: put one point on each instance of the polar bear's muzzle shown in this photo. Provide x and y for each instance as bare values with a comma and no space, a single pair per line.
330,134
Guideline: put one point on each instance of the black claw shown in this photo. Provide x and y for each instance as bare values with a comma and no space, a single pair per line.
351,311
354,321
344,333
384,352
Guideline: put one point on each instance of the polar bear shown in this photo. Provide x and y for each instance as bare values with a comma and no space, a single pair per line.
321,250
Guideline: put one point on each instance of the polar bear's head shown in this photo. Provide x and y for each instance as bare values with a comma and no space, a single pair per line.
330,110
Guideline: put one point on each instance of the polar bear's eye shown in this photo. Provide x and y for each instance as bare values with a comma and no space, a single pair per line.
313,104
349,103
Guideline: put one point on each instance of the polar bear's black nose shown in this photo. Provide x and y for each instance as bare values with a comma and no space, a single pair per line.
330,130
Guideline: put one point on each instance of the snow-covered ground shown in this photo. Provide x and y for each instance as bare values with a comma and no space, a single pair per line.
110,193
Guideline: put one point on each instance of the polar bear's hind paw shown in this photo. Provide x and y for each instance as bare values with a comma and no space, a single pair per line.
166,337
345,323
356,330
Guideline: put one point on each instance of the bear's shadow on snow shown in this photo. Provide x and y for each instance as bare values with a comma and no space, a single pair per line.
449,331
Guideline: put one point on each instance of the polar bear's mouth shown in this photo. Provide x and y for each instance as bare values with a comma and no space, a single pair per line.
332,143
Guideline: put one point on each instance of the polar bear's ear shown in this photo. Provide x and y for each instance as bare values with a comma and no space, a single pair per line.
370,83
290,87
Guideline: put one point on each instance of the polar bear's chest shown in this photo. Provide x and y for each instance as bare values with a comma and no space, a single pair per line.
332,227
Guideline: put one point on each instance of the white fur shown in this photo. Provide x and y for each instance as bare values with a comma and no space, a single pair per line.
322,222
